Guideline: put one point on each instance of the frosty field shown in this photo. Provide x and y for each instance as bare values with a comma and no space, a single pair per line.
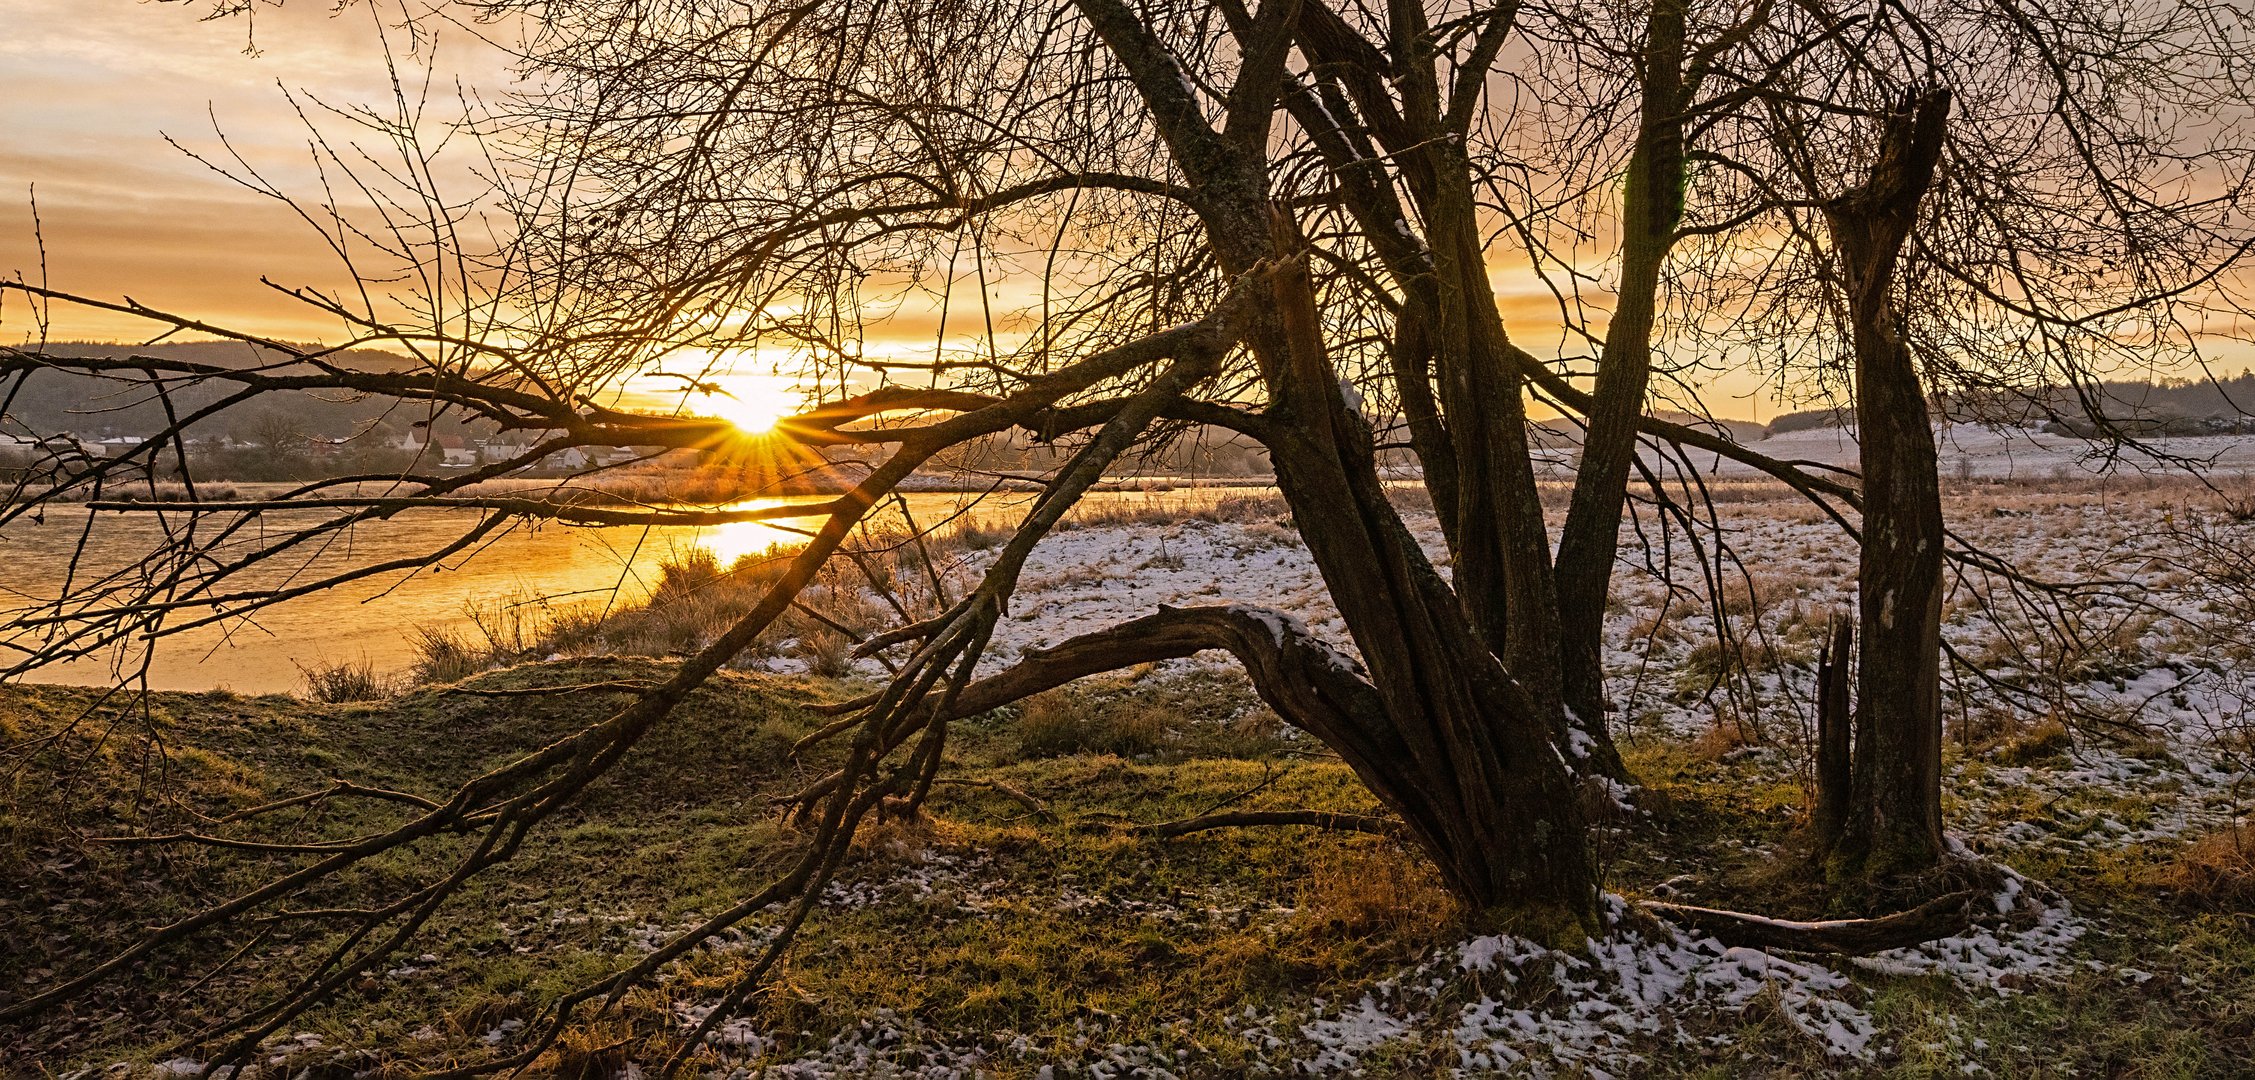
1029,929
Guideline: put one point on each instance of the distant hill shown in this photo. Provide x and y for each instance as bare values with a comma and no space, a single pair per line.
2170,407
1741,431
1566,435
2222,407
88,407
1808,420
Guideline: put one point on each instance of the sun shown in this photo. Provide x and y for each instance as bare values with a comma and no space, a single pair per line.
754,404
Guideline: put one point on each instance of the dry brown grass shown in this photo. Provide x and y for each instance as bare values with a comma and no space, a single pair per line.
2128,491
597,1052
1263,535
2218,870
695,600
1058,724
1714,660
1166,507
1083,576
177,493
1146,718
338,681
1722,739
502,631
1656,627
2046,740
1759,592
1379,891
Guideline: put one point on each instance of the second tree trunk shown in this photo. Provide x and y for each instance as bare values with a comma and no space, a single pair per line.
1893,821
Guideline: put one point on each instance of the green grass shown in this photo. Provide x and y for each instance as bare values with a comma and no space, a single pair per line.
1066,932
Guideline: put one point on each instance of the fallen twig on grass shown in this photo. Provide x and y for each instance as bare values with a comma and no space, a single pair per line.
1940,917
1038,808
615,686
1320,819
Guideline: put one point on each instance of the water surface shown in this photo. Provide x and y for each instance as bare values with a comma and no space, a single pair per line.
374,619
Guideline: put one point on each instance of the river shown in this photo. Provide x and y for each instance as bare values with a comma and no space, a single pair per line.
373,620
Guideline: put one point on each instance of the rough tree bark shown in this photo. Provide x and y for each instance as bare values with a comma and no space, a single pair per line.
1451,353
1471,764
1467,750
1835,732
1652,202
1894,818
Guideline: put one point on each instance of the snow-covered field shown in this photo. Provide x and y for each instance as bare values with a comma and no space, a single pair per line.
2138,651
2111,716
1487,1006
2145,684
1975,450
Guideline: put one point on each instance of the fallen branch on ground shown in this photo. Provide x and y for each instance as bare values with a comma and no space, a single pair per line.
1037,807
1937,918
1321,819
611,687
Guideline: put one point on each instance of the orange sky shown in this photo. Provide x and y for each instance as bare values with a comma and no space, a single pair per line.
92,86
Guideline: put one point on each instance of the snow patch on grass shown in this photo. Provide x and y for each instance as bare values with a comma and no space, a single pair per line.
1507,1004
2035,943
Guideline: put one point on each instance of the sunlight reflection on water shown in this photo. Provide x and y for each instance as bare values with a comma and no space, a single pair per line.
735,540
545,567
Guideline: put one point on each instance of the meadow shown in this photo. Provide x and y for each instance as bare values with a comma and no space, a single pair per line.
1040,921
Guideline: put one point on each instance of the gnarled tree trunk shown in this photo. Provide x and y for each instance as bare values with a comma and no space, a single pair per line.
1464,752
1651,208
1894,818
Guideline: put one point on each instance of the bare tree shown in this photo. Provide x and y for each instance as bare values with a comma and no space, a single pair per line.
1894,815
1285,222
279,433
2054,233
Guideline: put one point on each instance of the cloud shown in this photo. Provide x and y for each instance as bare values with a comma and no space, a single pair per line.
94,85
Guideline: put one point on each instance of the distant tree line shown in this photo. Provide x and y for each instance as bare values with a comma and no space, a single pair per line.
2223,406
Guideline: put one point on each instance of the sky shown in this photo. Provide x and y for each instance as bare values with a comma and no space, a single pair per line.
92,88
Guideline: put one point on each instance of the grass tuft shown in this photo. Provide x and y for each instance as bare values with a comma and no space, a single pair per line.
340,681
2217,871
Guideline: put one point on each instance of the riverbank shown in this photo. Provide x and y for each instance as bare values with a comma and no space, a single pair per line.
520,576
1007,936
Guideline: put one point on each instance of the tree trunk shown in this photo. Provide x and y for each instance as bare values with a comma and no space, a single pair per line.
1470,762
1445,735
1835,727
1651,207
1450,353
1894,820
1503,566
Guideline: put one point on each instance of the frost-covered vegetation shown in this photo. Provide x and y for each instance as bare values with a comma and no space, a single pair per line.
1028,927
